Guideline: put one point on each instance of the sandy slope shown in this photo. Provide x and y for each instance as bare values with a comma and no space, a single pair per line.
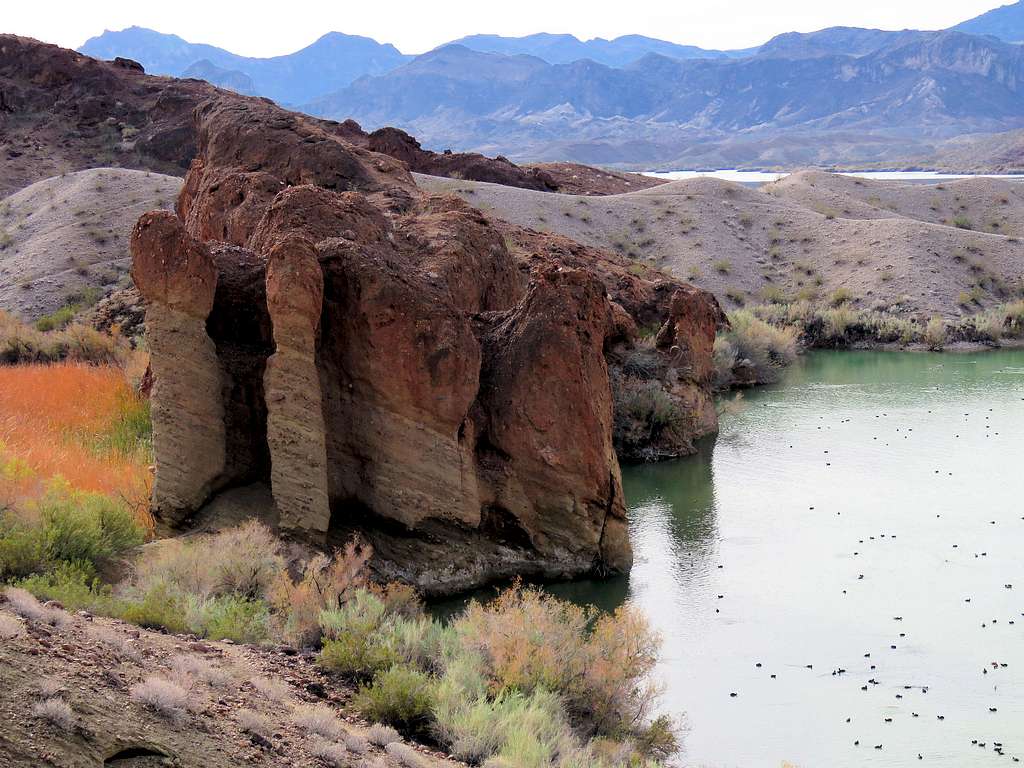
892,245
67,233
93,662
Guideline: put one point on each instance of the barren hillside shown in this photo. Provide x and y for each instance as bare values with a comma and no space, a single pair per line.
65,239
244,705
948,248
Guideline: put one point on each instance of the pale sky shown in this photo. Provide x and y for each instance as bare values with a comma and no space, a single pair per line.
257,28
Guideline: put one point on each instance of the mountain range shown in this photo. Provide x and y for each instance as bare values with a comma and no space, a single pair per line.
838,96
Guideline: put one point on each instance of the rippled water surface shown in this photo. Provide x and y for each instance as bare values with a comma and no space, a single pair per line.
865,515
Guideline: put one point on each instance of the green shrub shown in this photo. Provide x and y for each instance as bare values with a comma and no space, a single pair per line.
22,550
401,696
86,527
962,222
230,617
159,608
356,642
56,321
76,587
66,526
723,266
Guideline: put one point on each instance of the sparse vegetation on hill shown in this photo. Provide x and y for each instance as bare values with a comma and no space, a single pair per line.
527,680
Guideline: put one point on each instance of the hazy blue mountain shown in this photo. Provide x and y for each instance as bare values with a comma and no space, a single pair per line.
330,63
836,41
564,49
912,84
232,79
1006,23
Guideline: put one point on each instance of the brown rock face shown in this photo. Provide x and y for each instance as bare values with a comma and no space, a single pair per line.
384,363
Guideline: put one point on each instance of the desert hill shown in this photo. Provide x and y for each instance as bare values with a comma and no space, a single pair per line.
891,245
65,239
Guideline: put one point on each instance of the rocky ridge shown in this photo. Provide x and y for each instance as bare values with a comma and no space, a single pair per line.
393,362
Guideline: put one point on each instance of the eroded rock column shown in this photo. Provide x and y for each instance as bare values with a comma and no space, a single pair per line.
295,421
178,278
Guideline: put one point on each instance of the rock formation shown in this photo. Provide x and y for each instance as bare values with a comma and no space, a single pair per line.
384,363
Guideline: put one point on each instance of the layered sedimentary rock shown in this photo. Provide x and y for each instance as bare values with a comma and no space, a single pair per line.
390,362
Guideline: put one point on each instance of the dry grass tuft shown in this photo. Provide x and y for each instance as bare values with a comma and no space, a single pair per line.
273,690
56,712
332,754
319,719
186,669
356,744
25,605
382,735
255,723
404,755
164,697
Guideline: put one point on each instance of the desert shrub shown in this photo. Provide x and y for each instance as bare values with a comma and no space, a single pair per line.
239,562
962,222
319,719
837,323
722,267
162,696
118,643
404,755
382,735
598,665
840,296
765,348
57,320
935,333
724,359
356,640
334,755
773,294
65,526
21,546
76,587
399,599
646,401
990,325
188,669
325,583
255,723
401,696
24,604
1014,318
230,617
736,295
159,608
273,690
85,527
56,712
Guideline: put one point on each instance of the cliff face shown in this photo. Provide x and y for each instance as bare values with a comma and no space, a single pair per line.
391,362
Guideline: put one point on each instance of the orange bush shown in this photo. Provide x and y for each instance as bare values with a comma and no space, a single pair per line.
63,420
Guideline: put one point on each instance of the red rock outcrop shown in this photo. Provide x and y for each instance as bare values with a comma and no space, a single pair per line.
383,362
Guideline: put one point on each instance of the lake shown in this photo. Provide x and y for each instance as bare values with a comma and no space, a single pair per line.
756,178
848,551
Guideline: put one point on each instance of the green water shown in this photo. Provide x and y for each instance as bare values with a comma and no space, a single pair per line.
866,486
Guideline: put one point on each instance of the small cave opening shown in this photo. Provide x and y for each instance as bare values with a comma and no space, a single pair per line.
135,756
240,327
